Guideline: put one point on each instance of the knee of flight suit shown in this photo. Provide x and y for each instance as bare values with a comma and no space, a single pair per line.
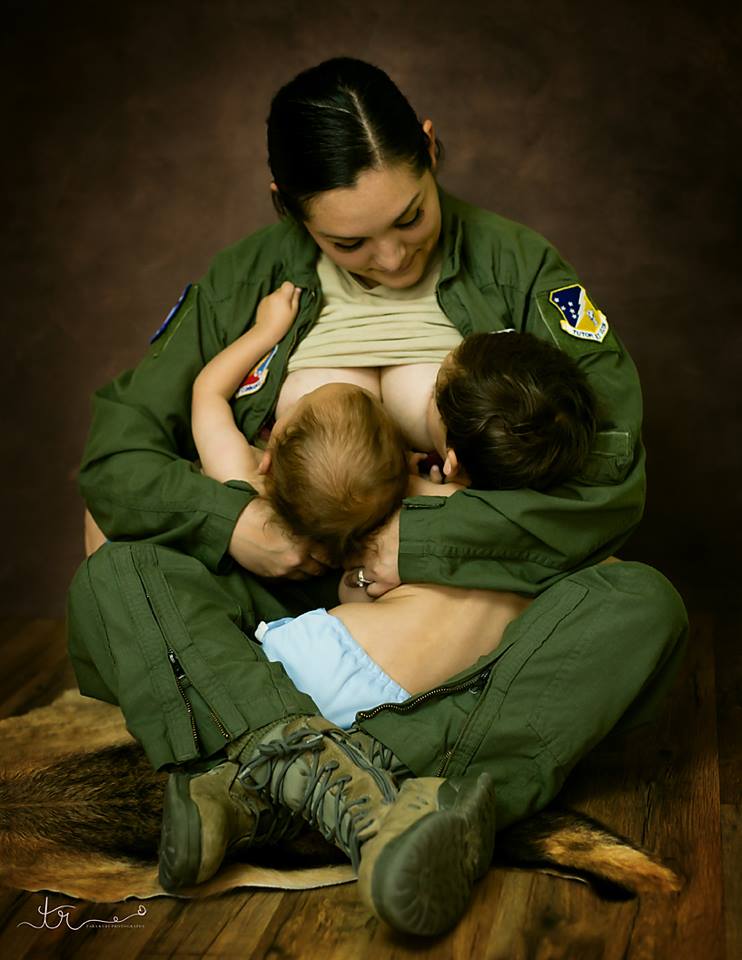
652,603
87,641
660,634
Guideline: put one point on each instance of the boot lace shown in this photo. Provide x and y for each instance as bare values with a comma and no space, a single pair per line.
349,819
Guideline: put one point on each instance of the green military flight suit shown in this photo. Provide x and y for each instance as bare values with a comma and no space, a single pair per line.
161,620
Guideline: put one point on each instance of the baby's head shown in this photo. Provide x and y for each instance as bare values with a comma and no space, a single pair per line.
512,411
337,468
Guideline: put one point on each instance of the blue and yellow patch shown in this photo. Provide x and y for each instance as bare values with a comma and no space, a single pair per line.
257,376
579,316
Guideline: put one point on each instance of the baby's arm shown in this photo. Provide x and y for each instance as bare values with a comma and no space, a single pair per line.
224,452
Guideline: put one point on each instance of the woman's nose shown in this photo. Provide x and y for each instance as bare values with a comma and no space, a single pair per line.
389,255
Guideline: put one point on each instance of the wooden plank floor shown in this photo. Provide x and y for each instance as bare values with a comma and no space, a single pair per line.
677,787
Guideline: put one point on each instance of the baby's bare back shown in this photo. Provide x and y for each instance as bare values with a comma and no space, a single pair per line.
423,634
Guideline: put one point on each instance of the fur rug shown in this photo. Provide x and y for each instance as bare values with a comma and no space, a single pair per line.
80,811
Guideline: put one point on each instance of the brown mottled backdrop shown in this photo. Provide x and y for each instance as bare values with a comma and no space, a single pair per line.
135,149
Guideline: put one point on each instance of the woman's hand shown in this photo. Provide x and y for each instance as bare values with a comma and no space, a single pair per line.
380,559
351,588
261,544
276,312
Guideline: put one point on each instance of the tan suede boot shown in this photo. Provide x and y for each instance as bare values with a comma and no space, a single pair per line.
417,872
205,818
418,851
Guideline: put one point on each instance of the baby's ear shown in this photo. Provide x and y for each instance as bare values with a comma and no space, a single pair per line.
265,463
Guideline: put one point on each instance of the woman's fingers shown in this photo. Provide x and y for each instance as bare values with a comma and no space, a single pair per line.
378,588
380,560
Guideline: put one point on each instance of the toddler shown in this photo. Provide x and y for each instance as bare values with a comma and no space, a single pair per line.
335,466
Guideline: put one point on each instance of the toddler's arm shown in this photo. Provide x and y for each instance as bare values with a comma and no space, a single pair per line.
224,452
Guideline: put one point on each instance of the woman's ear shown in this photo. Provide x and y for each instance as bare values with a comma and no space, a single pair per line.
265,463
429,132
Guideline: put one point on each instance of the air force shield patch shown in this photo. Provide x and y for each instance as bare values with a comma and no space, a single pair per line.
579,317
257,376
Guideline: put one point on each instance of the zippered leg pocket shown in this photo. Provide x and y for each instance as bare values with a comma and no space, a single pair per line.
526,635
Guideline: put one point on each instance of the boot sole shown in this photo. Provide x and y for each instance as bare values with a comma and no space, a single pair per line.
180,840
422,880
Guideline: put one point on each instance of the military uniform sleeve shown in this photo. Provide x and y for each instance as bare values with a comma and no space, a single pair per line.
524,540
138,474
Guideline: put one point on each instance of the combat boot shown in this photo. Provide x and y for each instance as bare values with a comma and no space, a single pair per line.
418,850
379,754
205,818
310,768
208,815
417,872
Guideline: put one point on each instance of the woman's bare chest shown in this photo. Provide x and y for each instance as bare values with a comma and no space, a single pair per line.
404,390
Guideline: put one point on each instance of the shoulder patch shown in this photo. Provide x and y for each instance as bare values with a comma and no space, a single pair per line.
166,322
257,376
579,317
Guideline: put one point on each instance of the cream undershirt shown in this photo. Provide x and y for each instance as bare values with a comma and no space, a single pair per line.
380,327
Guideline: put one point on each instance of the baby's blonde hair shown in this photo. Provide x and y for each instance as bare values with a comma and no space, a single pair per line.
337,472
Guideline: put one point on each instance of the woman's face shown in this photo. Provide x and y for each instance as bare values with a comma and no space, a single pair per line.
383,229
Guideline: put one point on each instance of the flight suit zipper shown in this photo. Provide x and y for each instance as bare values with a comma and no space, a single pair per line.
311,296
448,755
308,324
182,681
181,678
474,684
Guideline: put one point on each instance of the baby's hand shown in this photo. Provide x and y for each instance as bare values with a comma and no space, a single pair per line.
277,312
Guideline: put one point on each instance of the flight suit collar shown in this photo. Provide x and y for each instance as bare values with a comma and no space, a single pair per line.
451,236
300,256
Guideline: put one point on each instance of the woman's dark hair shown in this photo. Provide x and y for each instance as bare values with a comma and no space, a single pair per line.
332,122
518,412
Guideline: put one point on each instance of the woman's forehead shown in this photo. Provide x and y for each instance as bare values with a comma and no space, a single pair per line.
377,200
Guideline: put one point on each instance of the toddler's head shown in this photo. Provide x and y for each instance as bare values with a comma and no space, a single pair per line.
513,411
338,468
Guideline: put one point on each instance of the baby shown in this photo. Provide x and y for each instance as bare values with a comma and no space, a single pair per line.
335,466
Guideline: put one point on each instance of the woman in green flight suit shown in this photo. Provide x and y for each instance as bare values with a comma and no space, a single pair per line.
162,619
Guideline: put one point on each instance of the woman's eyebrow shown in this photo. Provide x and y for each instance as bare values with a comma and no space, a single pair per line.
334,236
